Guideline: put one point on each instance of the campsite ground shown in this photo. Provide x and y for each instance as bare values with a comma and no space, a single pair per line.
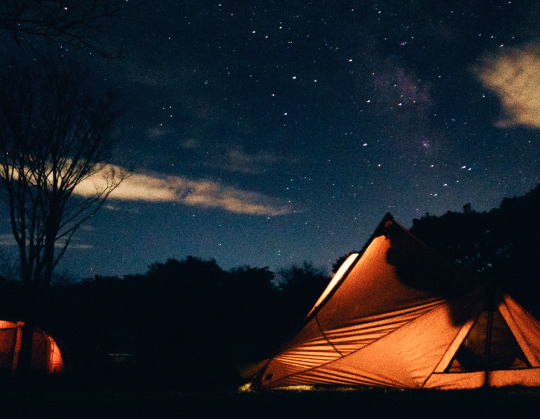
61,399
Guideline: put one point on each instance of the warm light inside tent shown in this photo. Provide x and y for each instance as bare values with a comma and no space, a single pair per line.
45,352
56,364
335,280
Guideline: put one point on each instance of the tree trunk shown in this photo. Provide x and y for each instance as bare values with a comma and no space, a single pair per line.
24,364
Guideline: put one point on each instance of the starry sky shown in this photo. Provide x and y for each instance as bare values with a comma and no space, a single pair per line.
274,132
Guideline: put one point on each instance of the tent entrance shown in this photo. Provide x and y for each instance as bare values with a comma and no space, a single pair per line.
489,345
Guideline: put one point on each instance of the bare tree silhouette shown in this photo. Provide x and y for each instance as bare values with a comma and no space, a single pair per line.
79,23
54,134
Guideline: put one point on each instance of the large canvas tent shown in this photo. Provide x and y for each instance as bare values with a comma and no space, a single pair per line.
396,315
46,355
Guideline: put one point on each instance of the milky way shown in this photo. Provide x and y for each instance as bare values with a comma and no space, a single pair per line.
283,131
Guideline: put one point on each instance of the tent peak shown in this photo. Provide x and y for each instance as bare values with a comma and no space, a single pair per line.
398,314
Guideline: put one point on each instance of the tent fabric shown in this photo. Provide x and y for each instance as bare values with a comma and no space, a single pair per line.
45,356
392,318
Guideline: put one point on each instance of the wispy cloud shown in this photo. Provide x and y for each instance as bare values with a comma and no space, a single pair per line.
190,144
74,246
161,188
62,244
514,75
234,159
157,131
7,239
239,161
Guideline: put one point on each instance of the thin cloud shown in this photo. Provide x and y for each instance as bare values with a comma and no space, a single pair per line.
232,159
159,188
515,76
238,161
73,246
7,239
108,206
190,144
157,132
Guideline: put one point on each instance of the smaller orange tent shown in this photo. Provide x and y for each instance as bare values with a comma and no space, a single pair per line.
46,355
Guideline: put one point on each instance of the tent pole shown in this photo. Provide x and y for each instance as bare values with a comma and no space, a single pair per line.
488,345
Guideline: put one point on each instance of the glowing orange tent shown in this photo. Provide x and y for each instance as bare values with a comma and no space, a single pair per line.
46,355
389,318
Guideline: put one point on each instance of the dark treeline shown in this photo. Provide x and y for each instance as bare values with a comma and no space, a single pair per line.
184,321
502,245
190,322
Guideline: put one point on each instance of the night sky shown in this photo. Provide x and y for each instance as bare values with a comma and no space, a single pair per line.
272,132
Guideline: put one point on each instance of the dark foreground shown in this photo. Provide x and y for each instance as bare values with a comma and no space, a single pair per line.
61,399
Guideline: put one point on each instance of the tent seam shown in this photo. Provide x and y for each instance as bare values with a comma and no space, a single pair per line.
325,337
353,352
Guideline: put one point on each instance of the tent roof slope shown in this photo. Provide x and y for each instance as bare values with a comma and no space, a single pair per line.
416,265
400,315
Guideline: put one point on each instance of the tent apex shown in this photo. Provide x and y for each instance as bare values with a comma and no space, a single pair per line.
398,314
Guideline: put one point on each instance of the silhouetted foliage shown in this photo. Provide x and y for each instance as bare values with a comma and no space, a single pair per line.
79,23
461,237
426,269
502,244
9,266
11,299
187,293
250,299
301,286
184,321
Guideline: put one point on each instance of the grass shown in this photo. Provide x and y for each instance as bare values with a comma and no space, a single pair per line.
117,399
